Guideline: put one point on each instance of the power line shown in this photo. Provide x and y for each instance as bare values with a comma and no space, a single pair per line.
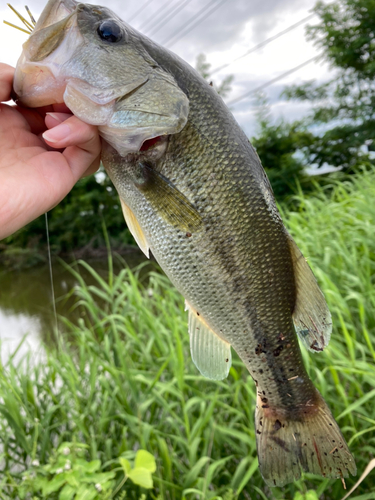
163,20
191,20
152,17
215,7
146,4
189,26
265,42
270,82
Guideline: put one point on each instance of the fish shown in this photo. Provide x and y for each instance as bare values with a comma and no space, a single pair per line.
194,193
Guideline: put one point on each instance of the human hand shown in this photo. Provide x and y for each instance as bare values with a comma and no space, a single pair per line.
33,176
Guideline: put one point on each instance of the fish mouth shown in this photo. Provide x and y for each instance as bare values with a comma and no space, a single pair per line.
118,88
54,12
38,80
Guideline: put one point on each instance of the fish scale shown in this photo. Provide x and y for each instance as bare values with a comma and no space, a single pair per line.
193,191
230,286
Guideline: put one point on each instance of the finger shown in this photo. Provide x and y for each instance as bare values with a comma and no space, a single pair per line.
94,167
6,81
85,159
80,140
36,189
70,132
54,119
35,117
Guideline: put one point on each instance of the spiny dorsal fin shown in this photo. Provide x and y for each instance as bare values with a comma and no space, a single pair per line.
135,229
311,315
211,354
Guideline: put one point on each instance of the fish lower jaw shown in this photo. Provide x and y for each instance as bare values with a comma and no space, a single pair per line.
36,86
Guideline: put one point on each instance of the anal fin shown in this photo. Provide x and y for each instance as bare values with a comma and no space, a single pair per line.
210,353
311,315
135,229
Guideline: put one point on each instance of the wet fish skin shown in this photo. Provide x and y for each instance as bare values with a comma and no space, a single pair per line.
237,272
200,200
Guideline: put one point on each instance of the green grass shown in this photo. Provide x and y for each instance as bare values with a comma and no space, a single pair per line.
123,379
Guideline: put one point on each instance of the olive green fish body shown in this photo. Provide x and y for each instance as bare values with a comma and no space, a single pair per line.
193,191
236,269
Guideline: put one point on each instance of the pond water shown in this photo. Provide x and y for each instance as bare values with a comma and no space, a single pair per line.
26,306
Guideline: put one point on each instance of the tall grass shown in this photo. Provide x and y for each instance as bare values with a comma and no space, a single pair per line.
122,378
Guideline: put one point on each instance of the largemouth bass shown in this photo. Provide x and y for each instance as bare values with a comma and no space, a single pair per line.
193,191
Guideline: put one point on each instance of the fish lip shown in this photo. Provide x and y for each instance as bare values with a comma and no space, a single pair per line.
55,11
34,67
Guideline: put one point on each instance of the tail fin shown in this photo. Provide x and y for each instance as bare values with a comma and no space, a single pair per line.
310,441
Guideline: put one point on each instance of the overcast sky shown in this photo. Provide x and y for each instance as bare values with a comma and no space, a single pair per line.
228,30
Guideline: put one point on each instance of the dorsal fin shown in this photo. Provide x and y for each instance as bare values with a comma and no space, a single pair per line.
210,353
135,229
311,315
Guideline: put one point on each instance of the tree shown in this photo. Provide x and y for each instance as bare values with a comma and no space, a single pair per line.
203,67
280,147
345,106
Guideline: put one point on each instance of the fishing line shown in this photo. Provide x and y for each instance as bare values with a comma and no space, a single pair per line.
51,279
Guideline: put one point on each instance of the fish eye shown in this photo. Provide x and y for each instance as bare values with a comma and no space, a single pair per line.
110,31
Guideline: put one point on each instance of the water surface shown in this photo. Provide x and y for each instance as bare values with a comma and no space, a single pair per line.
26,305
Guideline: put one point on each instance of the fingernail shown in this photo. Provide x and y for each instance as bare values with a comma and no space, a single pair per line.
57,117
57,134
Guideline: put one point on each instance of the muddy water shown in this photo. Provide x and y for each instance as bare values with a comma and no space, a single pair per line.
26,307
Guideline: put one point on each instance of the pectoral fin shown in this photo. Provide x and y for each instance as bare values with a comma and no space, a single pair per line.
135,229
211,354
168,201
311,315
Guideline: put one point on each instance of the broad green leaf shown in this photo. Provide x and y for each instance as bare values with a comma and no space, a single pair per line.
67,493
142,477
311,495
73,478
92,466
59,464
86,493
22,492
99,477
144,459
39,483
298,496
125,464
55,484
